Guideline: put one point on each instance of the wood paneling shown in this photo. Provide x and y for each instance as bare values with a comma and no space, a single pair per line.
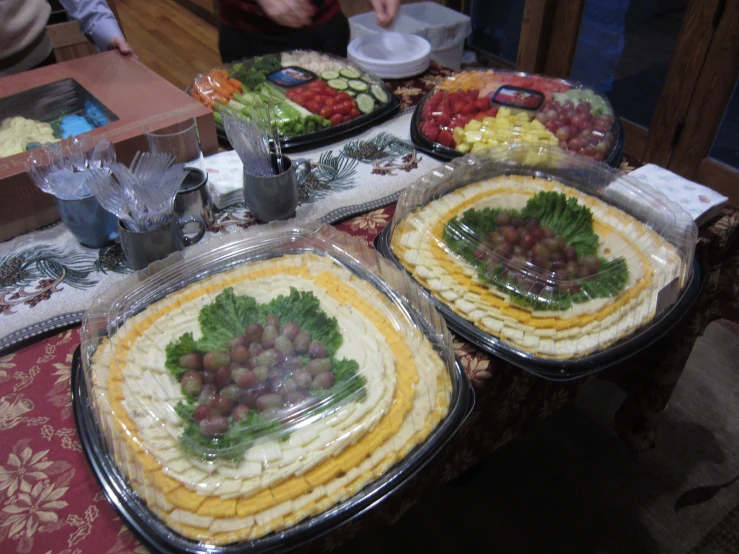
635,137
720,177
565,29
682,76
533,45
169,39
712,93
68,41
207,9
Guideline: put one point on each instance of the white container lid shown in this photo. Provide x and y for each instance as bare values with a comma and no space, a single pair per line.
390,54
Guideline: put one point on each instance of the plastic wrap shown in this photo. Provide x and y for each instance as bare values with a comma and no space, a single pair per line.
553,262
478,109
318,96
299,432
49,113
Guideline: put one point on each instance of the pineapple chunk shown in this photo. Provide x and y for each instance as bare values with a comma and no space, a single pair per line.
471,137
473,125
464,147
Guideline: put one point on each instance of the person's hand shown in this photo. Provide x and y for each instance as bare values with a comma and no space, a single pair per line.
290,13
385,11
119,43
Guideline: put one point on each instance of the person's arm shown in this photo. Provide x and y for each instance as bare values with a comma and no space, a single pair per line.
385,11
97,21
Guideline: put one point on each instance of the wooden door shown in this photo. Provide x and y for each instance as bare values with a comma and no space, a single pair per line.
689,102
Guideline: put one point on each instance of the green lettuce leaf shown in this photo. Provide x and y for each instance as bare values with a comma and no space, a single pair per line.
553,209
304,309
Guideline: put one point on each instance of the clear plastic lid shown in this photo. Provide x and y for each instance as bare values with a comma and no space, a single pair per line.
255,381
316,95
544,254
475,110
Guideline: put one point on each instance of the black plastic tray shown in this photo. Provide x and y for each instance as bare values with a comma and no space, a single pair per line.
562,370
444,153
327,136
155,534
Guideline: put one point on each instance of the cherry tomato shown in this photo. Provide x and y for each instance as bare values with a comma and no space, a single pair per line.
346,118
330,102
313,106
332,92
336,119
355,113
327,112
343,96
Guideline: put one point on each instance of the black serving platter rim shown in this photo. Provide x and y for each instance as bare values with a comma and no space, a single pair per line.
562,370
155,534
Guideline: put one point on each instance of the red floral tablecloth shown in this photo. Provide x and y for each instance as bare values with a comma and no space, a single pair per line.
50,502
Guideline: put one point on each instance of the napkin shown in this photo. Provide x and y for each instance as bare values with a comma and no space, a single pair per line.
701,202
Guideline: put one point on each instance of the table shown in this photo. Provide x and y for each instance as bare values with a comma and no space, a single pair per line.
50,501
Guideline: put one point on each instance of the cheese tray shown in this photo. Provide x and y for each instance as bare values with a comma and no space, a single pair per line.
557,264
298,448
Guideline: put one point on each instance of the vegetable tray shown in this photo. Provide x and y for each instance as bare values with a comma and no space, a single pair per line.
316,97
554,263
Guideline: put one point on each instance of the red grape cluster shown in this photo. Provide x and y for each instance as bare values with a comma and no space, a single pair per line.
263,370
534,257
577,128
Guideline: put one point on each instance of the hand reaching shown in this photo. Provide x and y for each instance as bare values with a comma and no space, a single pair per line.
119,43
385,11
290,13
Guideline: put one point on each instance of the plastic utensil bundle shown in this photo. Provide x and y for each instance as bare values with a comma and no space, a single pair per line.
60,168
142,195
250,142
262,112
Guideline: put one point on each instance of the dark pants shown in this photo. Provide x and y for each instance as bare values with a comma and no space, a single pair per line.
331,37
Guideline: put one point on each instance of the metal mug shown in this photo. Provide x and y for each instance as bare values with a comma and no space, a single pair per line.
193,197
88,221
274,197
143,248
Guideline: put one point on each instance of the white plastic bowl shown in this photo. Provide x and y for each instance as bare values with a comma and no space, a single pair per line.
391,55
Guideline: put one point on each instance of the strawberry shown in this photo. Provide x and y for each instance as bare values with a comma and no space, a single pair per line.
430,131
446,139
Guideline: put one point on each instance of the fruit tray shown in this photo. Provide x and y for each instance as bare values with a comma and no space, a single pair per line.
49,113
478,109
316,97
553,262
253,393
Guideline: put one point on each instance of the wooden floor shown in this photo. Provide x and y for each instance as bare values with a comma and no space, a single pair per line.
169,40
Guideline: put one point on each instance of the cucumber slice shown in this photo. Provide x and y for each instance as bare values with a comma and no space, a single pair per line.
369,79
365,103
352,93
338,84
329,75
379,93
359,86
349,73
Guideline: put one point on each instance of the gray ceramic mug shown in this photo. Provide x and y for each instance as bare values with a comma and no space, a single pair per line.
88,221
274,197
143,248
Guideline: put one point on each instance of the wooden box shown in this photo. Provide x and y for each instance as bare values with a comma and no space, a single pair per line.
135,94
